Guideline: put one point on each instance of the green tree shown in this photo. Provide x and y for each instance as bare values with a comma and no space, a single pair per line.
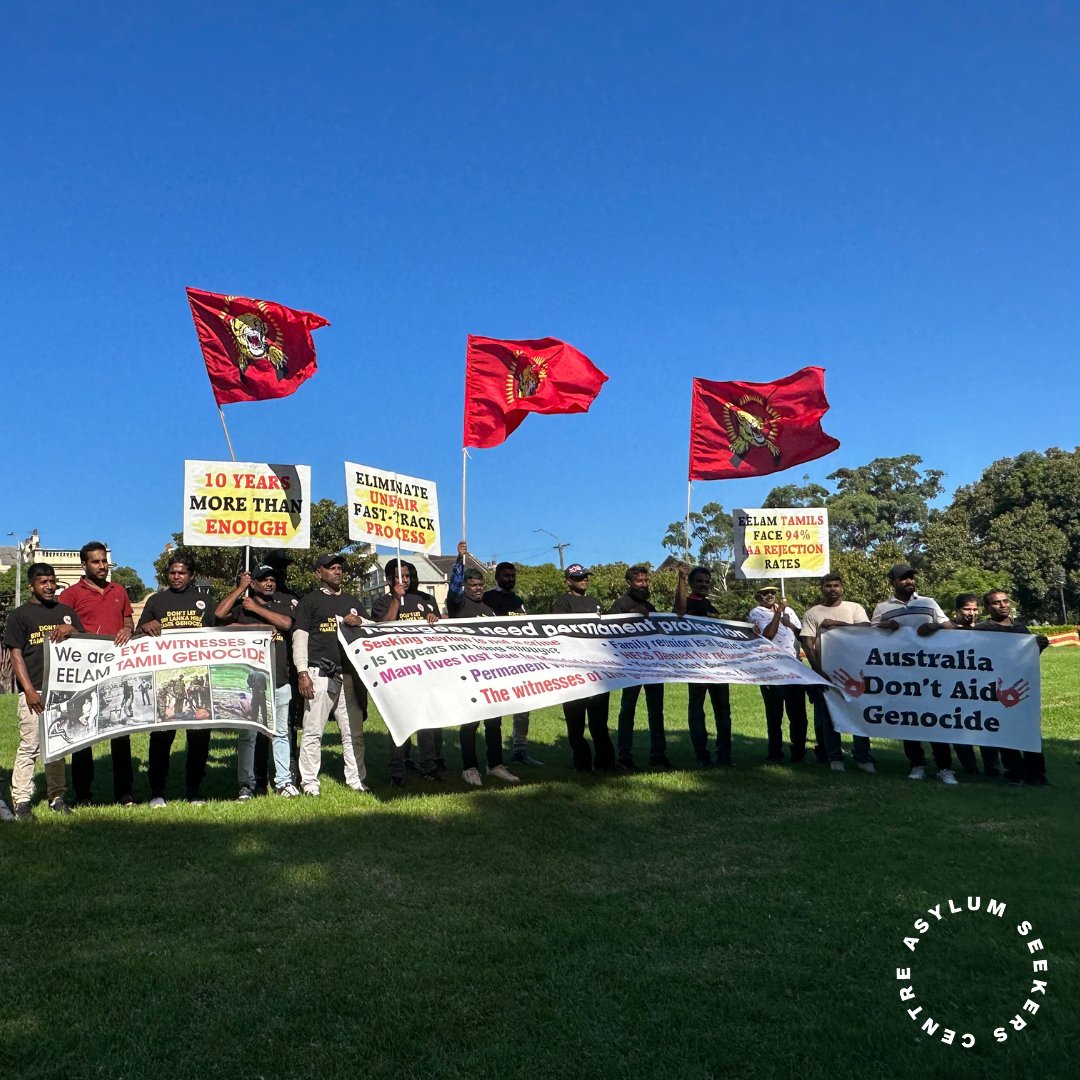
539,585
129,578
329,535
711,540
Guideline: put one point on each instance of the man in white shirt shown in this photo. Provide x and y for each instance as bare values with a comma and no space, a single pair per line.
833,611
907,608
778,623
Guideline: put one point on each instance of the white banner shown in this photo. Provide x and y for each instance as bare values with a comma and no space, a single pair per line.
95,690
236,503
461,670
391,509
959,686
784,542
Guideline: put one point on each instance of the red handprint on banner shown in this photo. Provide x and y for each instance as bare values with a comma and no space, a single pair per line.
848,683
1012,695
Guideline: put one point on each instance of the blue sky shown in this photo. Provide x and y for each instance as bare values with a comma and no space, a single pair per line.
729,191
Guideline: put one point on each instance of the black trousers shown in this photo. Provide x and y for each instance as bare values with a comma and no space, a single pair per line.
198,750
425,741
1029,765
594,710
492,743
777,699
942,752
720,697
654,704
123,774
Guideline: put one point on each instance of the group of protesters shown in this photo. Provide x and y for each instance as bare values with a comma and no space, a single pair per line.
315,681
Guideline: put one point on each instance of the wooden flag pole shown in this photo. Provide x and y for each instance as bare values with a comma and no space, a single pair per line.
225,428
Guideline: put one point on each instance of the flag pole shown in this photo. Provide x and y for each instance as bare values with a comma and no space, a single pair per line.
225,428
464,459
686,528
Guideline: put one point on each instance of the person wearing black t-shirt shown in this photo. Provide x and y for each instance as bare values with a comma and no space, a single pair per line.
636,601
576,601
504,601
24,635
466,600
1021,766
400,603
265,607
698,603
179,607
326,679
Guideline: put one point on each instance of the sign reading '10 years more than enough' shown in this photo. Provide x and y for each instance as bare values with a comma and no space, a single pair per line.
235,503
781,542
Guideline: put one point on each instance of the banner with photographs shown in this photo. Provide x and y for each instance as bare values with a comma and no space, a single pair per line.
95,690
461,670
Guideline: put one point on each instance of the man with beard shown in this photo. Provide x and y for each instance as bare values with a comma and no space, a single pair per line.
179,607
775,621
326,680
965,616
833,611
635,601
504,601
104,608
264,607
698,604
576,601
402,603
24,635
1021,766
907,608
466,600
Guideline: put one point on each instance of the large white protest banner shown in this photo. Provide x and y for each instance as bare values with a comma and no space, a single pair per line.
392,509
780,542
960,686
96,690
235,503
461,670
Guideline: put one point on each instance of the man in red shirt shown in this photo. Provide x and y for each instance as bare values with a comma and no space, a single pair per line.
103,607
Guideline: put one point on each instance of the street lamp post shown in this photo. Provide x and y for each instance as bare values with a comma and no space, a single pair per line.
558,545
1061,593
18,568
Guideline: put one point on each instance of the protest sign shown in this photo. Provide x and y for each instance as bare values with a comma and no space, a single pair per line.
236,503
96,690
392,509
959,686
785,542
461,670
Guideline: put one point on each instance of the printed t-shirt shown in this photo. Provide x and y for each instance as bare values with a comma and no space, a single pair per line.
280,604
504,603
27,628
785,637
317,614
413,606
184,610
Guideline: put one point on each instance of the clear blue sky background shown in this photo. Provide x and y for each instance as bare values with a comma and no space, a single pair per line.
718,190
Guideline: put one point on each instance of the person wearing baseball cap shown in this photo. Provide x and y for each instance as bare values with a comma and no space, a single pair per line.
594,709
775,621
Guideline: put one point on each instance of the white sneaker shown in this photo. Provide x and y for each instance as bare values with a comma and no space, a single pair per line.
501,772
866,766
360,788
156,803
310,789
918,772
836,766
289,791
947,776
472,777
7,815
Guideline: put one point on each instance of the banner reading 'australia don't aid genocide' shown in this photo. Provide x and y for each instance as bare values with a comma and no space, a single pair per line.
958,686
461,670
96,690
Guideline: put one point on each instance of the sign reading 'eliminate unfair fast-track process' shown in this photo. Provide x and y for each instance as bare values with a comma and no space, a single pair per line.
236,503
781,542
391,509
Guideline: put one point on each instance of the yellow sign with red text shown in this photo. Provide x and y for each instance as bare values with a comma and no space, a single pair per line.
781,542
392,510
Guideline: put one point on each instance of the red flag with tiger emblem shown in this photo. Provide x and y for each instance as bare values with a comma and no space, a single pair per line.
506,380
254,349
752,429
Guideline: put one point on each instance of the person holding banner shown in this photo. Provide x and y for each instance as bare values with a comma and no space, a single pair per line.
24,635
699,605
504,601
326,680
576,601
104,608
964,617
907,608
265,606
179,607
833,611
635,601
401,603
1021,766
775,621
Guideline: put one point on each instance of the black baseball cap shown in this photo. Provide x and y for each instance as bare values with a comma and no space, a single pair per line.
263,571
901,570
323,562
576,570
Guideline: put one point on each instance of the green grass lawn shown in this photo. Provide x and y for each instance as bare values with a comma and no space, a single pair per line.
736,923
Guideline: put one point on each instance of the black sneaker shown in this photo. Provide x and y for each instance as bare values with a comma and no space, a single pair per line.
661,764
410,765
705,761
627,765
83,801
522,757
127,800
440,765
397,781
58,806
431,777
24,812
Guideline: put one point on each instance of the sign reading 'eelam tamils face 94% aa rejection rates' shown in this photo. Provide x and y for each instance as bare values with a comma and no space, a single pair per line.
781,542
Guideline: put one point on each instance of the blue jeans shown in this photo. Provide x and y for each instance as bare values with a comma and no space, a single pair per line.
245,744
